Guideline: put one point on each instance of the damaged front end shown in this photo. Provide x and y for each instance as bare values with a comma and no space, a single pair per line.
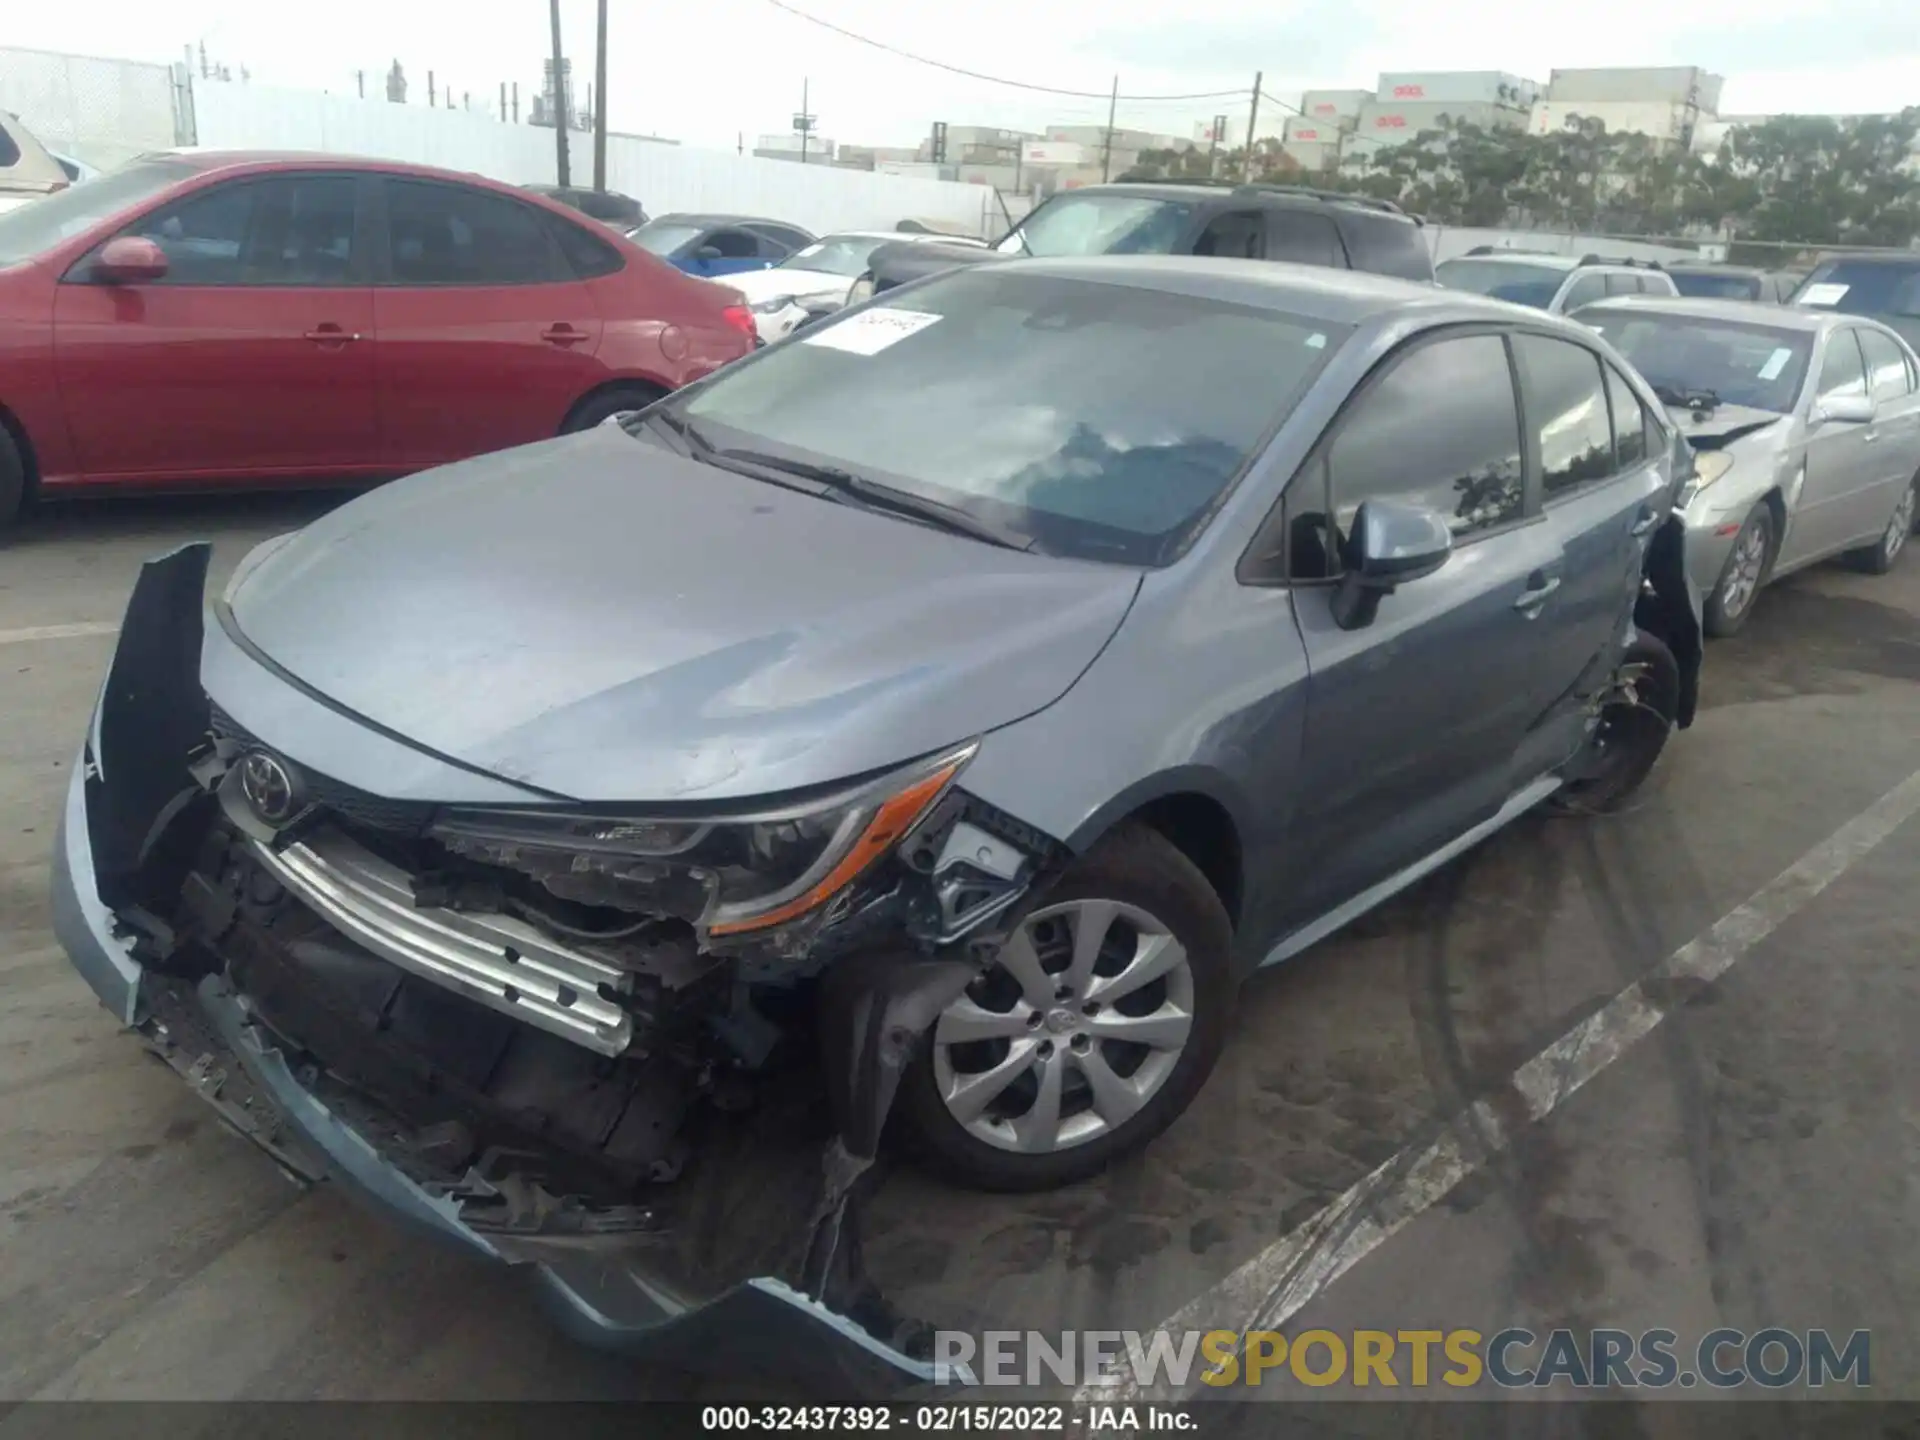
649,1056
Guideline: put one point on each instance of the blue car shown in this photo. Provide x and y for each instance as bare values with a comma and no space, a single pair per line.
715,245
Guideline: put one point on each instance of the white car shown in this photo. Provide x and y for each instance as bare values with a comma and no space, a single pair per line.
823,271
27,171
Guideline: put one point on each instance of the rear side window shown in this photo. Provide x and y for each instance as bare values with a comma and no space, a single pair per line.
589,255
449,235
1567,411
1304,237
1387,245
733,244
1440,429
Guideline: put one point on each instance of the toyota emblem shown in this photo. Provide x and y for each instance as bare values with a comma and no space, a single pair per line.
269,787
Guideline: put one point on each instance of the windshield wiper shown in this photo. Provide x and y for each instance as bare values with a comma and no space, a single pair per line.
682,429
834,480
1686,399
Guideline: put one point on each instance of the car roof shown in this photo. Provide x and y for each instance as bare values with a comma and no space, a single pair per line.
1869,257
1748,312
1313,292
1708,267
1523,257
686,217
1219,190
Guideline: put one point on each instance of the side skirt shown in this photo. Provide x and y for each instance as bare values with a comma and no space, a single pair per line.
1316,931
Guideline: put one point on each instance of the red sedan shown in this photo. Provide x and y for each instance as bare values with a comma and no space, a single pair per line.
204,319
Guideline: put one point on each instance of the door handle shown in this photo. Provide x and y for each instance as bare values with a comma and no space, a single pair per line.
331,335
1645,521
1539,587
562,335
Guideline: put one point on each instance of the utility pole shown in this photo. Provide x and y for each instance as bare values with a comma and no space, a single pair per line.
433,100
1213,149
600,102
360,79
804,121
503,102
1106,149
560,99
516,102
1253,118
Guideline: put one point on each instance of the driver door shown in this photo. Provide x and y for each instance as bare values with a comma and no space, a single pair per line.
1416,722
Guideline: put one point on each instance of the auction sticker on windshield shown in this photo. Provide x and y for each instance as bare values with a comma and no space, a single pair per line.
871,331
1776,362
1822,294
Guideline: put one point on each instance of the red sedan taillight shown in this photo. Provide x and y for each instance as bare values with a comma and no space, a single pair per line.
741,319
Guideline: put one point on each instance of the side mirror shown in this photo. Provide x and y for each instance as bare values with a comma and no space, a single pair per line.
1392,543
1844,410
707,252
130,260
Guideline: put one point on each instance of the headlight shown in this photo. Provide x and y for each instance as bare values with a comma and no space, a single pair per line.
1708,466
768,307
760,869
862,290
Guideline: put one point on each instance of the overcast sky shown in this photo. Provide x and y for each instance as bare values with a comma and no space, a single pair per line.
707,72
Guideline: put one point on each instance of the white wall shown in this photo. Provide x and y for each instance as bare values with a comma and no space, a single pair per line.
663,178
1449,241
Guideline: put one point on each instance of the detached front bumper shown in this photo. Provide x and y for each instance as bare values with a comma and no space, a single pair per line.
626,1291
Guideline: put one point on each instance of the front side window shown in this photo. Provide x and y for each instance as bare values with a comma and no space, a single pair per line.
1439,429
1100,225
1842,373
291,231
1886,367
1728,362
450,235
1089,417
1584,291
1509,280
1567,410
734,244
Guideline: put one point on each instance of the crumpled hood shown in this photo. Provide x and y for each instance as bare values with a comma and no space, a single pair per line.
759,285
603,619
1722,425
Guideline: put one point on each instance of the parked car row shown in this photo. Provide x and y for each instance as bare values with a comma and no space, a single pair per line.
199,318
593,849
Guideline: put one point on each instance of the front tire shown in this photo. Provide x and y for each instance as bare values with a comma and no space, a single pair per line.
13,481
1881,556
615,400
1742,576
1089,1034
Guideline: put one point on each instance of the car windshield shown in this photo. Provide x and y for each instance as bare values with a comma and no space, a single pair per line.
1754,365
836,255
1100,225
1534,285
663,239
1707,285
29,230
1864,287
1087,417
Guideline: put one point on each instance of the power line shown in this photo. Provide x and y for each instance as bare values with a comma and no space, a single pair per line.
976,75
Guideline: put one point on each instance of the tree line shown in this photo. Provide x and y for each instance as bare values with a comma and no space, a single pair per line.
1816,180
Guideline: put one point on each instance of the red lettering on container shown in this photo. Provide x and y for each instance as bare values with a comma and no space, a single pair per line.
1390,122
1409,92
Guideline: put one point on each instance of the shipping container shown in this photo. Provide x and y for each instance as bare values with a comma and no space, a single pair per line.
1057,152
1334,104
1660,119
1488,87
1680,84
1313,156
1397,121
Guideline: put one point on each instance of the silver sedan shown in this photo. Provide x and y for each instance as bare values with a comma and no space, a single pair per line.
1806,428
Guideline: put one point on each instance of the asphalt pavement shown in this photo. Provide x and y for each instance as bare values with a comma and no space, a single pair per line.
1694,1022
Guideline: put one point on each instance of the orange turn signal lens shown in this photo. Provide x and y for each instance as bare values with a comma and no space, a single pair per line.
890,824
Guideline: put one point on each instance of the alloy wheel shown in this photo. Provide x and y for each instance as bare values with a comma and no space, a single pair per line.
1073,1029
1900,526
1744,567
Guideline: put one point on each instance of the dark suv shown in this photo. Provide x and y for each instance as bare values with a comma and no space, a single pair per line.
1246,222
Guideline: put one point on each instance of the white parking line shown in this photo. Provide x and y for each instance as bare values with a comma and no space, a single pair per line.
58,632
1278,1283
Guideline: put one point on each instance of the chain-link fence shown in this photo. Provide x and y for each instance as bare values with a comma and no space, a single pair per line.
100,112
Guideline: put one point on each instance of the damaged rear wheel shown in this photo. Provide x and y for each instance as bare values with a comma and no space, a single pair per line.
1093,1029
